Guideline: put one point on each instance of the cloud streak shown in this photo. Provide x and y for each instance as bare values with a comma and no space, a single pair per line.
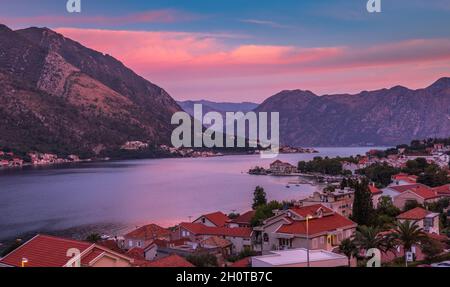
195,65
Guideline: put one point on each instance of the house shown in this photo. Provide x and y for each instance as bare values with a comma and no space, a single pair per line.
50,251
215,219
163,248
427,220
339,200
144,235
243,220
218,245
197,232
443,191
279,167
376,194
169,261
404,179
416,192
299,258
314,226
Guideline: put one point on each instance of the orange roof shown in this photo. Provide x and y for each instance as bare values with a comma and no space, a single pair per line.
50,251
443,190
310,210
374,190
317,225
200,229
136,252
244,218
169,261
148,232
420,189
215,241
218,218
417,213
246,262
405,177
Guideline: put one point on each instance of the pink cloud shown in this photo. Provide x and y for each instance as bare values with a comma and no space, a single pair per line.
196,65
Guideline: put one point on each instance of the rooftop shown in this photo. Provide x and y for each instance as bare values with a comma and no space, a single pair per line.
295,256
148,232
218,218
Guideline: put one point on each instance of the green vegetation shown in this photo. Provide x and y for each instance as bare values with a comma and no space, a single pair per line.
386,213
380,174
330,166
265,211
93,237
259,197
349,249
247,252
362,203
203,260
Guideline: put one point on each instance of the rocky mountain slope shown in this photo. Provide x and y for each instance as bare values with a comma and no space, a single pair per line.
382,117
59,96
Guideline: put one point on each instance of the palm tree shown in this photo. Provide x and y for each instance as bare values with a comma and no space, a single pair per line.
368,237
349,249
408,233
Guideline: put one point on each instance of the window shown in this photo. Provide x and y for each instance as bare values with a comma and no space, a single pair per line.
266,237
130,243
139,244
203,220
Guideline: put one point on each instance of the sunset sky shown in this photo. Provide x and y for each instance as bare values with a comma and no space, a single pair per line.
248,50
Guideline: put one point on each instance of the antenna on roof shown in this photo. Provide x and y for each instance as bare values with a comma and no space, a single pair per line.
190,218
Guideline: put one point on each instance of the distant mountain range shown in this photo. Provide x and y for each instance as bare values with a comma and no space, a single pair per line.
381,117
60,96
221,107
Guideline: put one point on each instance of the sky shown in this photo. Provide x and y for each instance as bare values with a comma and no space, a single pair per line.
248,50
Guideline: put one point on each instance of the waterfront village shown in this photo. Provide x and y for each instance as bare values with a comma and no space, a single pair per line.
13,159
394,201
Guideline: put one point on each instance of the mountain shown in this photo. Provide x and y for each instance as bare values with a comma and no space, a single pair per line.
59,96
221,107
381,117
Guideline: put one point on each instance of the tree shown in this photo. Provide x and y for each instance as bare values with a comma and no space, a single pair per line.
381,174
385,214
203,260
411,204
349,249
93,237
431,248
259,197
362,203
408,233
433,176
265,211
368,237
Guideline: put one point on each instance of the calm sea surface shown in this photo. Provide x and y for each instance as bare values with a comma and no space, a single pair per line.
163,191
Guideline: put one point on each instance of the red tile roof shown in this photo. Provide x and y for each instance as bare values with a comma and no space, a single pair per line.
420,189
417,213
443,190
244,218
310,210
405,177
50,251
374,190
148,232
218,218
246,262
169,261
136,253
317,225
200,229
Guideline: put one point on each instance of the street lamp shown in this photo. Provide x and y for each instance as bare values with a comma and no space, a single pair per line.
24,261
308,217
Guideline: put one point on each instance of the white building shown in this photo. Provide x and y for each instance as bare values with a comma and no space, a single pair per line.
298,258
